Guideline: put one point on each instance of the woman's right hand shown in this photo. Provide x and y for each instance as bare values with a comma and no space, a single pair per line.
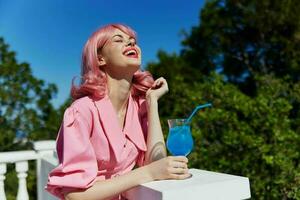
171,167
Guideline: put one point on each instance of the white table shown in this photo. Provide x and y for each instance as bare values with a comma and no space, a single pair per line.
203,184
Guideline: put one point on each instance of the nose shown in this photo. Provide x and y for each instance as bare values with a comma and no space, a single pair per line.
130,43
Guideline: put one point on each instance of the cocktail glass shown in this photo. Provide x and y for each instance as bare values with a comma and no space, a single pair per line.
180,141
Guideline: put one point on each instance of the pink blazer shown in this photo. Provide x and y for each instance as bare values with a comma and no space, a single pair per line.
92,146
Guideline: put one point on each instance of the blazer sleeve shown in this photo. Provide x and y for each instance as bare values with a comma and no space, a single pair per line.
77,169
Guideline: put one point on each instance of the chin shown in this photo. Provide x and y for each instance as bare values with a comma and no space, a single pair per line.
134,64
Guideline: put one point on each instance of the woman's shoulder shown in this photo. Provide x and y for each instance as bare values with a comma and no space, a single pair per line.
82,101
83,105
80,109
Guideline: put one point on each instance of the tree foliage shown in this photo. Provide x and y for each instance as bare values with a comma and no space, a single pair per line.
245,37
25,105
26,113
244,58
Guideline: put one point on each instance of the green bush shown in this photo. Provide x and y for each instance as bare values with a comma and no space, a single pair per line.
242,135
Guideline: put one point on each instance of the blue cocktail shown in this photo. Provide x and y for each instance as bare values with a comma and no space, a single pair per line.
180,141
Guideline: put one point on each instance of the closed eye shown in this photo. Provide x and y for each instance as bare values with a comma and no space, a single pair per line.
120,38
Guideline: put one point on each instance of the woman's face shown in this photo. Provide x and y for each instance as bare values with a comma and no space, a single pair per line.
120,52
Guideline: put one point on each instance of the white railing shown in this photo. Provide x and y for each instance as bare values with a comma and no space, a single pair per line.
203,184
20,159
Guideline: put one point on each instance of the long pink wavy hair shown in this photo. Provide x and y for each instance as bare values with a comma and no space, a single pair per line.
93,78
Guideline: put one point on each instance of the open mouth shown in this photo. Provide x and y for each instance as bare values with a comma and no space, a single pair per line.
131,52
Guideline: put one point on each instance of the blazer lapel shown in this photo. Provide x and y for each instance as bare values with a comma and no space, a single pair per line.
111,127
133,128
112,130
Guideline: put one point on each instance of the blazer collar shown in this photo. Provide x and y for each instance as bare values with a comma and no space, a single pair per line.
112,129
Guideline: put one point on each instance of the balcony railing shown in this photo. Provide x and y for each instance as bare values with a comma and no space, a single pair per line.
42,150
203,184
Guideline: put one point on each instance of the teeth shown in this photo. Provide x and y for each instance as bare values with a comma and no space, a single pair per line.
130,52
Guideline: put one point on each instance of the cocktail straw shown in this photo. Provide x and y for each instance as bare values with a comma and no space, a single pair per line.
196,109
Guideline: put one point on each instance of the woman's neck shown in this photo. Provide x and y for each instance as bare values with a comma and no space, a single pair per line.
118,91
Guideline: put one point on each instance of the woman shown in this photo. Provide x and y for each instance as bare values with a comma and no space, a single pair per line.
113,124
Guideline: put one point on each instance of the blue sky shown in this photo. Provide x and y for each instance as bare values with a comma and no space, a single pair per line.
50,34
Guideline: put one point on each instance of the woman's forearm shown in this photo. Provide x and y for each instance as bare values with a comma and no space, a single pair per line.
107,189
155,140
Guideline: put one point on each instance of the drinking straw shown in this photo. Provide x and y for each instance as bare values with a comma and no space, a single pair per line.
196,109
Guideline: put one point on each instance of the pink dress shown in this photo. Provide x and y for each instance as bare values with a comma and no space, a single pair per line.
91,145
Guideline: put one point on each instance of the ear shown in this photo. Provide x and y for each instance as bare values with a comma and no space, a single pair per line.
101,61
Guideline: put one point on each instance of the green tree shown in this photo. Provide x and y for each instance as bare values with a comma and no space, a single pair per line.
25,108
253,127
249,136
242,135
245,37
24,102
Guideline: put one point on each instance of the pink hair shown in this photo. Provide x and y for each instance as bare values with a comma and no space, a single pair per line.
93,82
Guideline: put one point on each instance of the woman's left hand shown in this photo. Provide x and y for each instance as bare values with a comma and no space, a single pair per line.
158,89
